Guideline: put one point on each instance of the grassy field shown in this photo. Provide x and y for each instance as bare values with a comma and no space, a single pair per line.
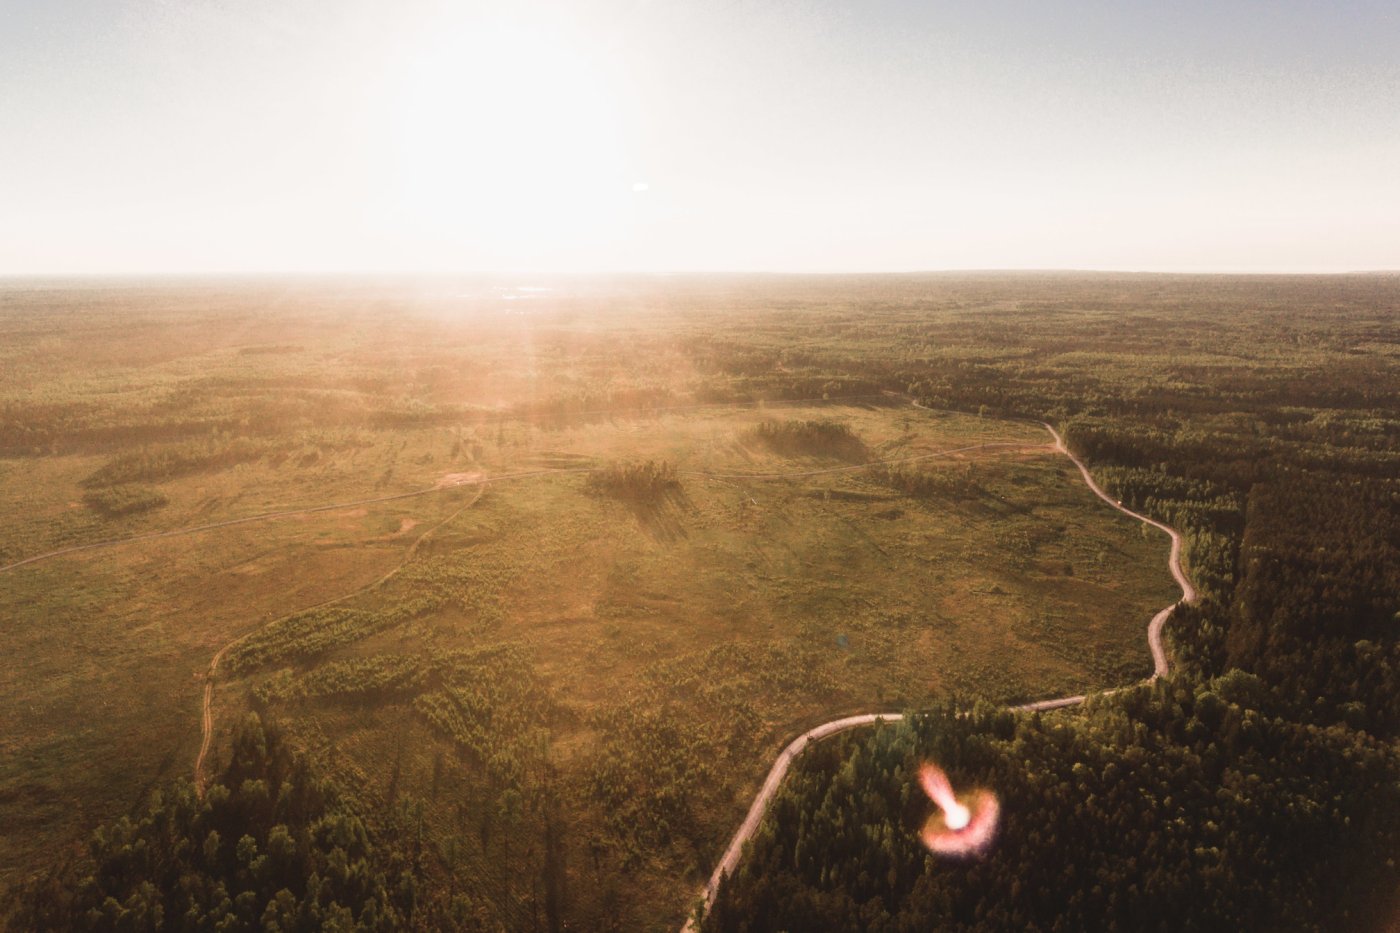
557,666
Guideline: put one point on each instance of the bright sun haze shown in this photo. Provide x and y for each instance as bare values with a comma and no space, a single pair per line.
616,135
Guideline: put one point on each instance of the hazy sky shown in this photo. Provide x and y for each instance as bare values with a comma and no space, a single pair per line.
596,135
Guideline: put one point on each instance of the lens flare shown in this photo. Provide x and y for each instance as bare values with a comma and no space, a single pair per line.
965,827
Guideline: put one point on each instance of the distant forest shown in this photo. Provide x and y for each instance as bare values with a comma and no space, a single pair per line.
1255,787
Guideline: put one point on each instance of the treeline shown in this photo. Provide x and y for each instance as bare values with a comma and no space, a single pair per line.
356,680
823,438
125,499
156,464
269,846
217,451
792,387
60,428
309,634
607,400
1173,807
647,481
1318,604
927,484
196,411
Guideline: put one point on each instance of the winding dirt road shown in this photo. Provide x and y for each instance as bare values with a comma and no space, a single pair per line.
769,790
1188,592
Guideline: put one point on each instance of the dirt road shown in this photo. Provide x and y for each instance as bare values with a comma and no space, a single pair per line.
769,790
207,716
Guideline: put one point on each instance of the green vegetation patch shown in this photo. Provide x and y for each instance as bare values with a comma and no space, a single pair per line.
314,632
125,499
934,483
635,482
819,438
494,707
270,846
172,460
1158,808
354,680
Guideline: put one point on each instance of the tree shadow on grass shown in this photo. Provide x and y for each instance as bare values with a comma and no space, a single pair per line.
662,516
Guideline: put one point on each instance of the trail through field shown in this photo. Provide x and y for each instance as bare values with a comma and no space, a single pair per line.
447,482
207,716
481,481
769,790
454,480
451,481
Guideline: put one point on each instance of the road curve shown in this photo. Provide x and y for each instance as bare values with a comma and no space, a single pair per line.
207,718
770,788
765,795
1188,592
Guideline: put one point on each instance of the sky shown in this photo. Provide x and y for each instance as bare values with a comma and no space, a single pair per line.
193,136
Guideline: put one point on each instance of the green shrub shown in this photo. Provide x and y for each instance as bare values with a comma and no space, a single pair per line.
172,460
920,484
125,499
819,438
637,482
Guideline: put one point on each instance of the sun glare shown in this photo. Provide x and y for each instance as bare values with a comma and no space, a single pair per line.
507,143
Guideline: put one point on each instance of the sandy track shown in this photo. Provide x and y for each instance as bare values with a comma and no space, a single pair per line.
207,714
769,790
207,718
1188,592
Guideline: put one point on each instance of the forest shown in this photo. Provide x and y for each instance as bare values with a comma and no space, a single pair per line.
552,716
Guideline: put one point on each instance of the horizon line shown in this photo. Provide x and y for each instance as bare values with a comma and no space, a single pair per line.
679,273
